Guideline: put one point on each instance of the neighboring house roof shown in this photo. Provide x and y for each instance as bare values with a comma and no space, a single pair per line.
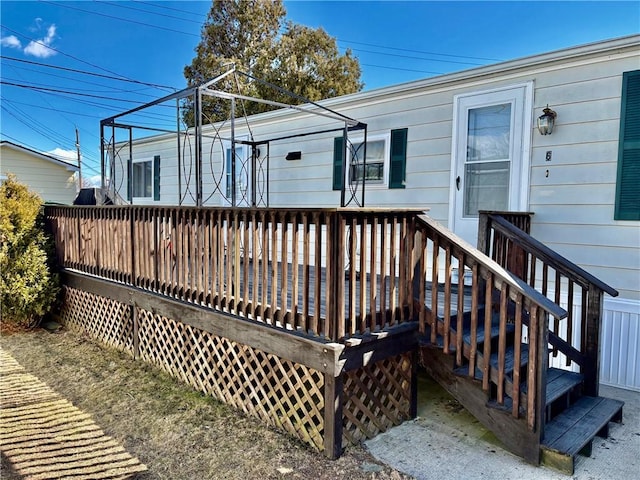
43,156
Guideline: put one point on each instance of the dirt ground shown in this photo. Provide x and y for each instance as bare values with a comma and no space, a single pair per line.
177,432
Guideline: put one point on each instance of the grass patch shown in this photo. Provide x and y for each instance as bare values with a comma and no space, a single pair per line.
176,431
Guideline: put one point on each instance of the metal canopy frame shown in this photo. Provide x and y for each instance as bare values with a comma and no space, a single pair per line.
190,156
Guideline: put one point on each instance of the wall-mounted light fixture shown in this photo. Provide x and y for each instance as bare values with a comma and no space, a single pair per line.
294,156
546,121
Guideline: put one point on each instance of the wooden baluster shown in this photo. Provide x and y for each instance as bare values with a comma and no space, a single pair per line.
338,253
245,262
502,341
532,372
447,298
435,265
402,269
353,276
460,310
295,268
256,253
305,272
284,273
486,353
392,271
363,277
373,272
329,316
569,318
228,261
266,256
476,285
274,268
384,282
422,290
556,320
315,323
517,351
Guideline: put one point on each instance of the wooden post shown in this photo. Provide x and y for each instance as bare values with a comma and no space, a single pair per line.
413,405
332,415
542,367
591,336
484,233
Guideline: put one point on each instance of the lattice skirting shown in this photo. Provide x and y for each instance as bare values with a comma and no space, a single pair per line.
102,319
377,397
285,394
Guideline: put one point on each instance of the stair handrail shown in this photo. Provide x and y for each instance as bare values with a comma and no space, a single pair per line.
557,261
507,299
495,268
585,350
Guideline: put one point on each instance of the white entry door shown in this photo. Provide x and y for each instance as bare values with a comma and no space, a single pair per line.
490,165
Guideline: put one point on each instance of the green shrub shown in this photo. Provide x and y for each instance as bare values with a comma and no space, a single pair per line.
28,288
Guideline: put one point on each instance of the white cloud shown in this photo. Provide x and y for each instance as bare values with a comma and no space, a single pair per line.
11,41
93,181
69,156
41,48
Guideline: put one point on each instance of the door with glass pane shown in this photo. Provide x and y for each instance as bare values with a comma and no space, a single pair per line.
491,156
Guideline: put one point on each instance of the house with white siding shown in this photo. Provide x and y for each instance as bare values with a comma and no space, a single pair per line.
54,180
453,145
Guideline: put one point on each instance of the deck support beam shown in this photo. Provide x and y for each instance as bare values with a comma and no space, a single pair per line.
286,344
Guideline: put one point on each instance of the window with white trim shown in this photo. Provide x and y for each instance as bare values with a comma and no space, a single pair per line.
375,169
142,179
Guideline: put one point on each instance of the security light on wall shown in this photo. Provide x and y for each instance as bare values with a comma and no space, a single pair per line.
546,121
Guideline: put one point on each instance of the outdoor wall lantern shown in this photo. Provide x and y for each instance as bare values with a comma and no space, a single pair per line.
546,121
294,156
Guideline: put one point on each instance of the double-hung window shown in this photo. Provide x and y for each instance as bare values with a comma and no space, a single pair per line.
385,164
374,170
144,179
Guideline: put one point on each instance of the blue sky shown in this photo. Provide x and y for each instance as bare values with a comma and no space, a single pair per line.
90,43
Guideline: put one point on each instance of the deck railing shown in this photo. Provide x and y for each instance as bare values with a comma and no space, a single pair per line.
557,278
332,273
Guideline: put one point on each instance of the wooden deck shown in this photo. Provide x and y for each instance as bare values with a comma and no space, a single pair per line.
328,281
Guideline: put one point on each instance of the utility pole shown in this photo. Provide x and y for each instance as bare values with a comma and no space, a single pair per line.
79,160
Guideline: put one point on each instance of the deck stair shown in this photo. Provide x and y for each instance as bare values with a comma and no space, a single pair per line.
571,419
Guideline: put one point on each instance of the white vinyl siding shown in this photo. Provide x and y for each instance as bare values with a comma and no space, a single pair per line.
54,183
572,195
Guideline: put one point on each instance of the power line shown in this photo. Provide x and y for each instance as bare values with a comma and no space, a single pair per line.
120,5
68,92
169,8
122,19
411,57
93,74
74,58
402,69
420,51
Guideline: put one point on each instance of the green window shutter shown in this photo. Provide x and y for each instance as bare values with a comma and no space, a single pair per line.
338,160
628,184
156,177
129,180
397,168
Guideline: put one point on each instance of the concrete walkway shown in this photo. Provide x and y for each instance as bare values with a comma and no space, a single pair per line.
445,441
44,436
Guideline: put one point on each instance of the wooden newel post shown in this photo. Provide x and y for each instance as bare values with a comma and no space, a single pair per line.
484,233
591,338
